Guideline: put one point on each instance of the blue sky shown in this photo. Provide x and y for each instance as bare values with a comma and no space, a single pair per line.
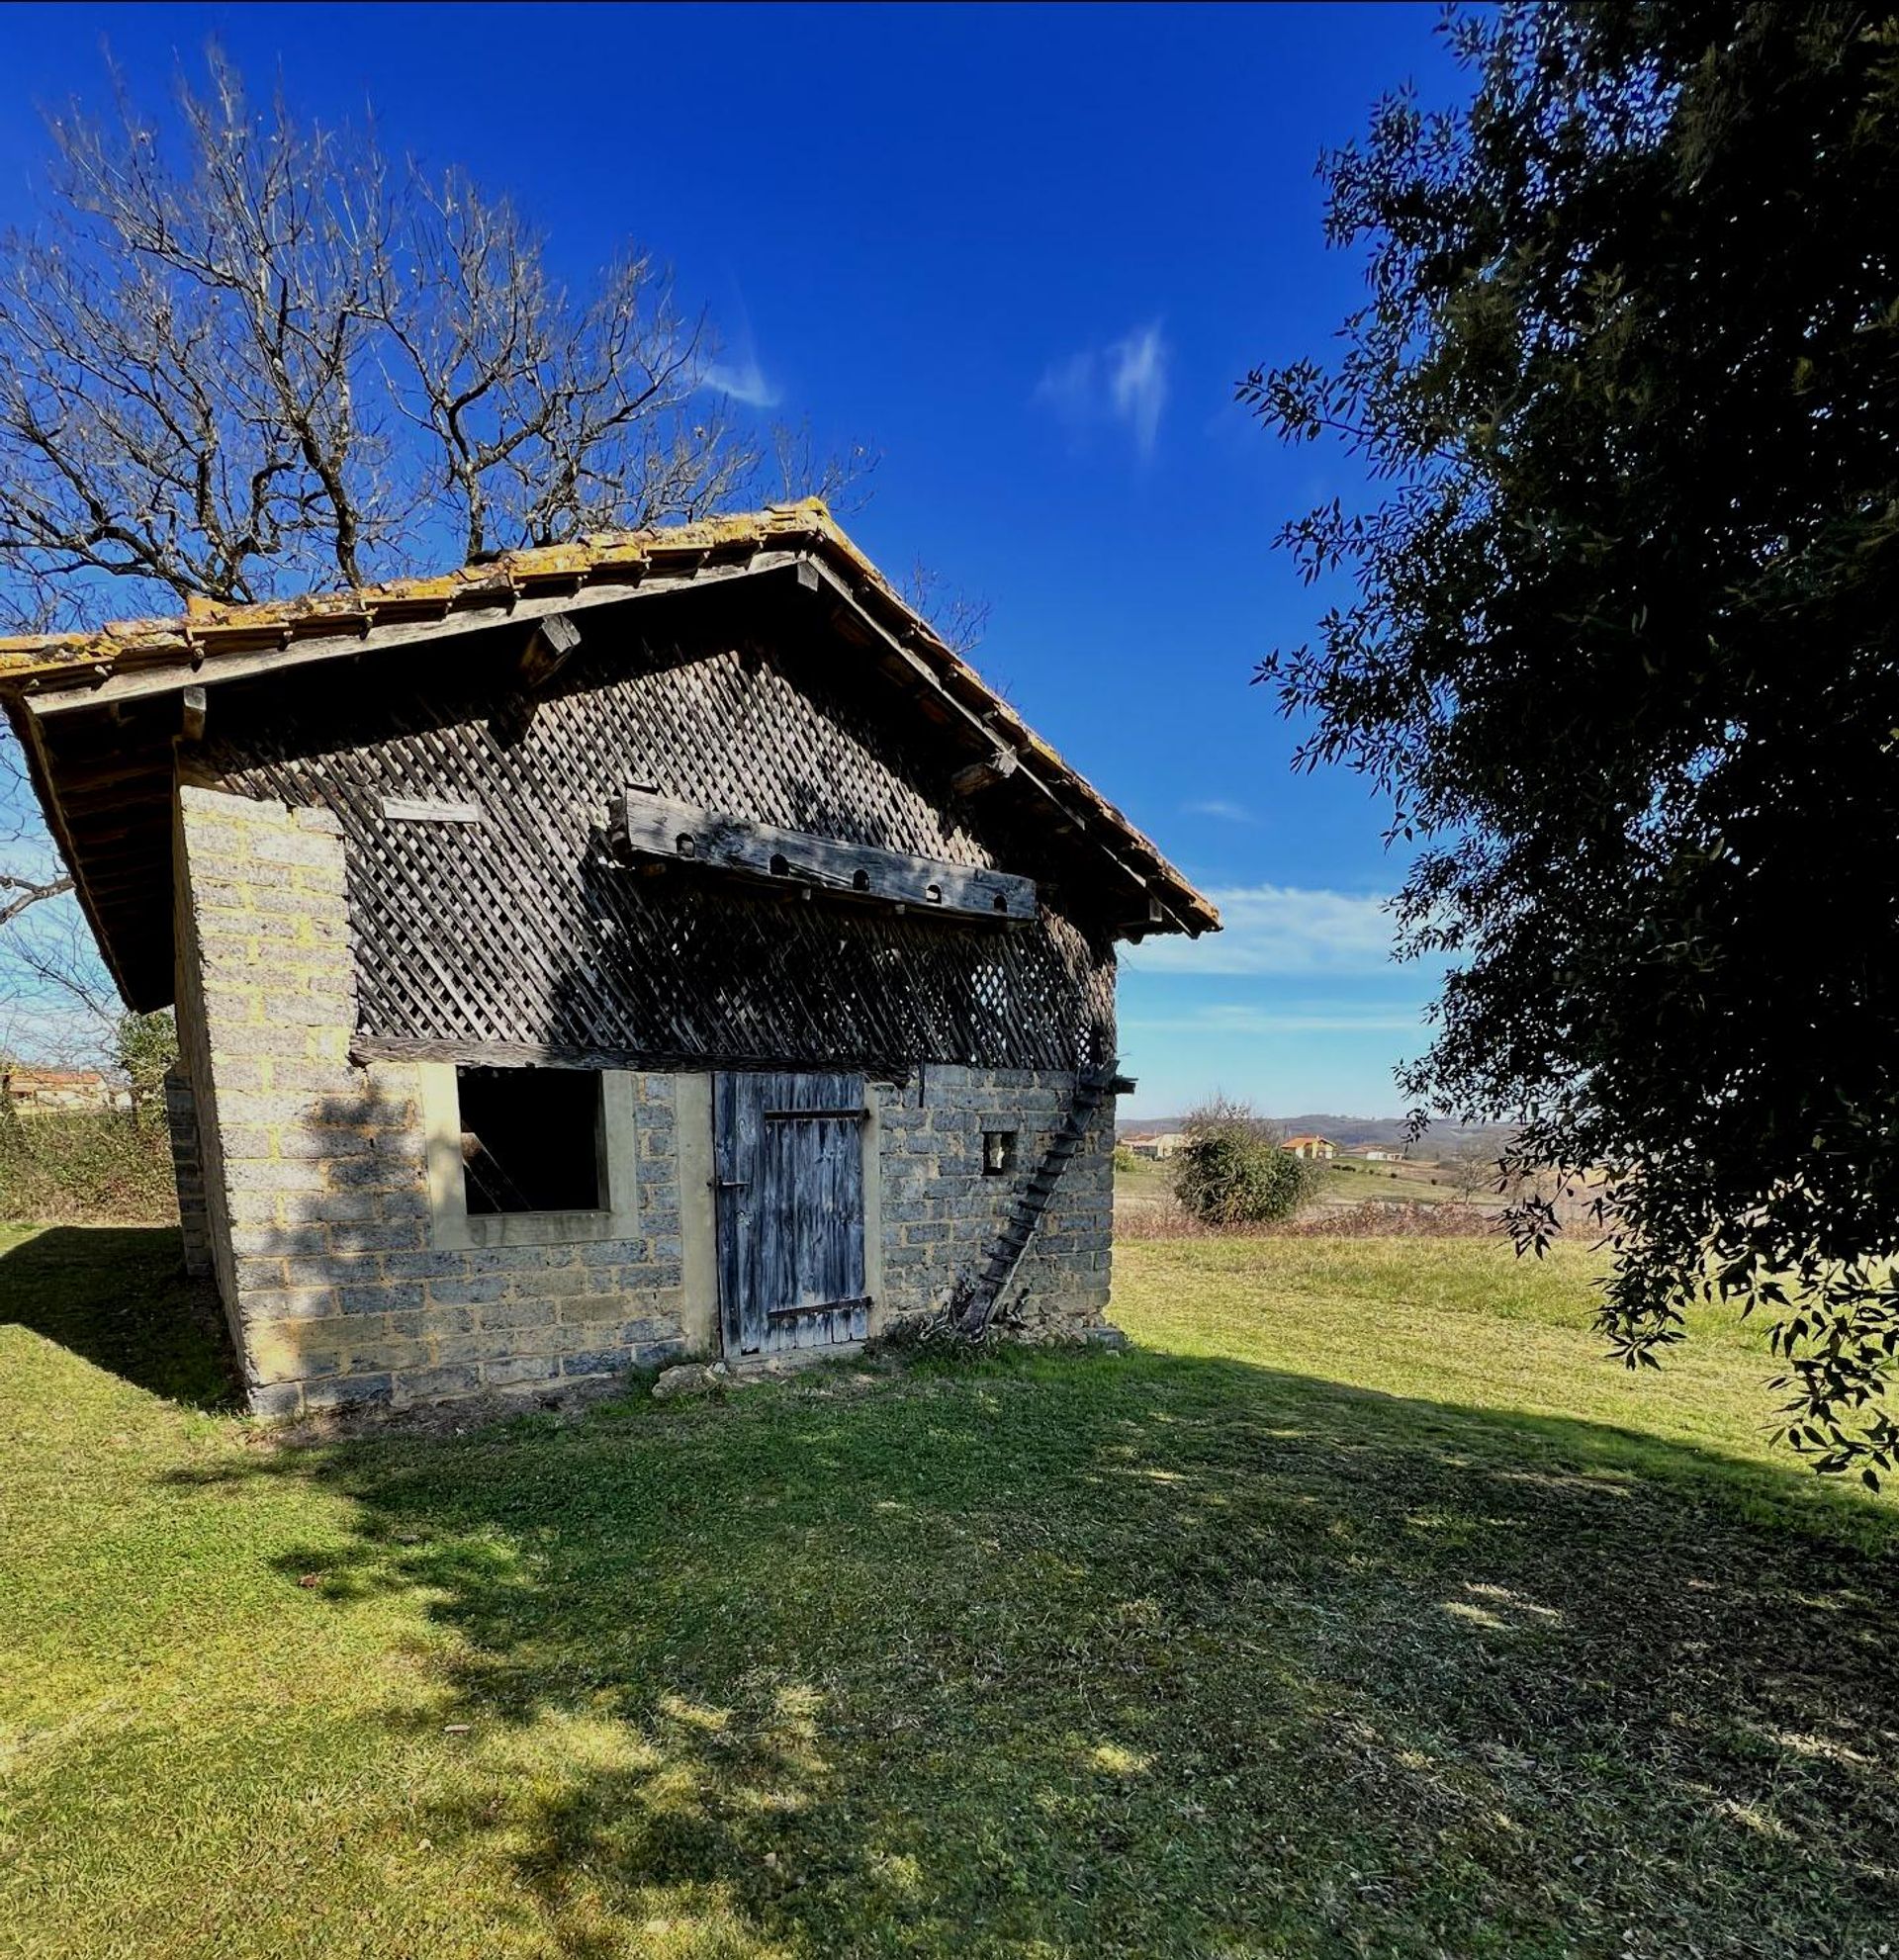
1024,254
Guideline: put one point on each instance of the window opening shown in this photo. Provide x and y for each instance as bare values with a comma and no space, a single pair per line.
530,1139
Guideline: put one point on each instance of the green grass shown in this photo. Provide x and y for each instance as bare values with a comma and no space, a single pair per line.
1362,1610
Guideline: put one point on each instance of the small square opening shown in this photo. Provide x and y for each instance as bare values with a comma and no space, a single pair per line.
530,1139
998,1152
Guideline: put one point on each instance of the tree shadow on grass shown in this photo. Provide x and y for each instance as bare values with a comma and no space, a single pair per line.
119,1296
1151,1654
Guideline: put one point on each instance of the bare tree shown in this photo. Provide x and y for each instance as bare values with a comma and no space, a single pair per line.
1474,1169
241,355
56,1004
958,619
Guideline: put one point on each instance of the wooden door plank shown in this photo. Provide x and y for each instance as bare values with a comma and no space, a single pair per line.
790,1160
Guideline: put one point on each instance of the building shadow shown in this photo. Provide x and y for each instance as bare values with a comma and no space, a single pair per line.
1142,1654
119,1298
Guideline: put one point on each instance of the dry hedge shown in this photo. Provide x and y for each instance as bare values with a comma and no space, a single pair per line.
92,1166
1375,1218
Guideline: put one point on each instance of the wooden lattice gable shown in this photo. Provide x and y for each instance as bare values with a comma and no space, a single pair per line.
497,911
100,714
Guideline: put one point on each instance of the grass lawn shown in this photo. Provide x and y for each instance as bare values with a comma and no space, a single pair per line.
1361,1611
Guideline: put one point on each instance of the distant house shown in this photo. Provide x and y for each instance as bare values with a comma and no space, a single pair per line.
37,1090
1374,1154
1312,1146
1159,1145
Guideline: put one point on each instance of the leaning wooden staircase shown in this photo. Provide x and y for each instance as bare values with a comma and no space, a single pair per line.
1032,1202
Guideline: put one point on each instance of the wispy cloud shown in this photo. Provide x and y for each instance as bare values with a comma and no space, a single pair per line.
1137,383
1279,928
1123,383
1222,1021
744,381
1219,806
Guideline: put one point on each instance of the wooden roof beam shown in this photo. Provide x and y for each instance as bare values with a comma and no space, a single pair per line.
999,764
550,646
486,608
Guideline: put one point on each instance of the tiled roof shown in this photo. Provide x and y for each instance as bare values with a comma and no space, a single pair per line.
208,633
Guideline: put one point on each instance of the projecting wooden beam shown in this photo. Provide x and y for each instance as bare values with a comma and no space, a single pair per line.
194,714
655,827
994,767
550,644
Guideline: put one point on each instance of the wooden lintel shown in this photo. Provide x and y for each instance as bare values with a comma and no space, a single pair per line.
1000,763
194,714
654,827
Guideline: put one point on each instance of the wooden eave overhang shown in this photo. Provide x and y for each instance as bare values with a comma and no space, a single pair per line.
45,678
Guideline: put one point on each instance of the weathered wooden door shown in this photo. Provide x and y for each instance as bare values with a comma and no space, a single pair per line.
788,1157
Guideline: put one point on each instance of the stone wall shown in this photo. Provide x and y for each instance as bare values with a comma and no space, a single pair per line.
316,1169
345,1282
940,1215
188,1169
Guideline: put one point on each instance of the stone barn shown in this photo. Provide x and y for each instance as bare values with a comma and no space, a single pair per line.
655,945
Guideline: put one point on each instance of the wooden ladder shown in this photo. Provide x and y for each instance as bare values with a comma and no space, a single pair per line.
1025,1217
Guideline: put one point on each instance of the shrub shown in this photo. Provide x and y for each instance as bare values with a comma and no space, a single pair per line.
1375,1218
1233,1170
1125,1159
148,1046
104,1166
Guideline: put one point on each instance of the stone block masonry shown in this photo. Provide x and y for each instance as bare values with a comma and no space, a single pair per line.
304,1179
188,1169
315,1200
940,1213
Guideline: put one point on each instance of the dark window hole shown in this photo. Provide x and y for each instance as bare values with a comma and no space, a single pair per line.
530,1139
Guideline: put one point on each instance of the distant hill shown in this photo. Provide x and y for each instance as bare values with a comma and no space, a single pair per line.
1354,1133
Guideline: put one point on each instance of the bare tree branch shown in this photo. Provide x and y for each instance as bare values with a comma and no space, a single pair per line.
958,619
240,357
26,892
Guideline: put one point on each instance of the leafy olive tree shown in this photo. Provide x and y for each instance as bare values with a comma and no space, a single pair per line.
1620,639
